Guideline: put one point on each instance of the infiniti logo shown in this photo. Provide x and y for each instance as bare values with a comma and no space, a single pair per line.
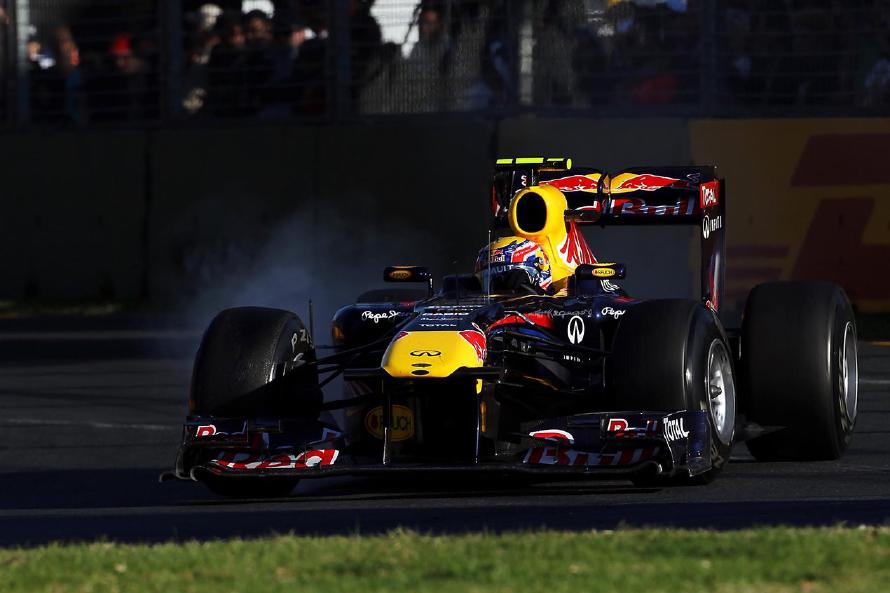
426,353
576,330
709,225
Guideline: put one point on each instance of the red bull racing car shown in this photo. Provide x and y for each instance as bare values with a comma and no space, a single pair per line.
537,363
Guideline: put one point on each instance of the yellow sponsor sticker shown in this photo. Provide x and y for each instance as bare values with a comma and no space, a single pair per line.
400,274
402,423
604,272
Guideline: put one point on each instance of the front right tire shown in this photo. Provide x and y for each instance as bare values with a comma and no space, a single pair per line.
670,355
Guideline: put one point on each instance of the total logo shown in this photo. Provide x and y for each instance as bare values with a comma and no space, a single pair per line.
613,313
674,430
708,196
709,225
576,330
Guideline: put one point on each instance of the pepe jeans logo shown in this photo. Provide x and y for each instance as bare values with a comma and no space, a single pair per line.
613,313
576,330
377,317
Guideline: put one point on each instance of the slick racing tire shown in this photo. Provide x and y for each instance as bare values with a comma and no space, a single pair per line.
799,370
244,355
671,355
239,372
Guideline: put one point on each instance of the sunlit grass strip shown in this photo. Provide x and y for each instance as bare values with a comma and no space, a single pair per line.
760,560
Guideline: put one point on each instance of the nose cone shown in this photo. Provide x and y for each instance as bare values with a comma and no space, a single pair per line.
433,354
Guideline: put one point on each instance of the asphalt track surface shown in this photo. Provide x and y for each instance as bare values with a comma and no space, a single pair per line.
89,418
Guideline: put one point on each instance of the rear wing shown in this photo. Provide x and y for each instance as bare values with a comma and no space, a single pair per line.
635,196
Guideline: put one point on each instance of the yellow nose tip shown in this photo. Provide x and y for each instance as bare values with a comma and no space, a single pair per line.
430,354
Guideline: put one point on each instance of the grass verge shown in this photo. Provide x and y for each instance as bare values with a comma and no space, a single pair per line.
763,560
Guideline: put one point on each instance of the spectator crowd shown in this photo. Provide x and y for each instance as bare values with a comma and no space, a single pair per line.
286,58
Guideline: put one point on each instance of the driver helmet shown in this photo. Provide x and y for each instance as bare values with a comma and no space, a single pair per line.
507,256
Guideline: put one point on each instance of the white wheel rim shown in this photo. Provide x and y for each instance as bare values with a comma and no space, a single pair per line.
849,373
720,388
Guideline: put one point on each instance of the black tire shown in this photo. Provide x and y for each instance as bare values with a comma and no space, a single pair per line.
659,362
795,336
239,372
241,353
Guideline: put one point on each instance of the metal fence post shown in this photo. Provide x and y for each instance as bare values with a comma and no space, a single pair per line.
525,32
19,104
339,46
8,50
708,59
170,26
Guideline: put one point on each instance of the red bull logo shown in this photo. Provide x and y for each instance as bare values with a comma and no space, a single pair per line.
639,207
477,341
649,182
574,183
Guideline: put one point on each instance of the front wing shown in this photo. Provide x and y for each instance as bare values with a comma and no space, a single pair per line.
606,444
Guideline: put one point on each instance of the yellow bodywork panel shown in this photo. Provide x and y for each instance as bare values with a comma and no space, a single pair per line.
553,233
430,354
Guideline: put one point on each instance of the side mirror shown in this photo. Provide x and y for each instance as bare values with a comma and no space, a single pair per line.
600,271
409,274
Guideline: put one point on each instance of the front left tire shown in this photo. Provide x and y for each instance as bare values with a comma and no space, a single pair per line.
244,355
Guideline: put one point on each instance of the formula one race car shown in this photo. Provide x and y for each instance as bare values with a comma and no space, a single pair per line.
538,363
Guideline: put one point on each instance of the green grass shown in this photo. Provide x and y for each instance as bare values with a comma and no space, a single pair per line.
761,560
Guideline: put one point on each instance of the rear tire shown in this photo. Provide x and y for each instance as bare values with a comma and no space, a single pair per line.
667,355
799,365
238,373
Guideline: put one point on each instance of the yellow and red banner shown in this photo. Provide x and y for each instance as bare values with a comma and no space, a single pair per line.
808,199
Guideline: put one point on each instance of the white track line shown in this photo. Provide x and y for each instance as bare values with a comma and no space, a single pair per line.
874,381
43,336
102,425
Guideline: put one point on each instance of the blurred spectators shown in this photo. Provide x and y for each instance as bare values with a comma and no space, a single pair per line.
427,62
201,38
57,90
875,86
285,58
121,88
228,93
279,95
558,39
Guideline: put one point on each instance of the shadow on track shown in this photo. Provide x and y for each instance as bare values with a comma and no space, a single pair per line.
129,506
